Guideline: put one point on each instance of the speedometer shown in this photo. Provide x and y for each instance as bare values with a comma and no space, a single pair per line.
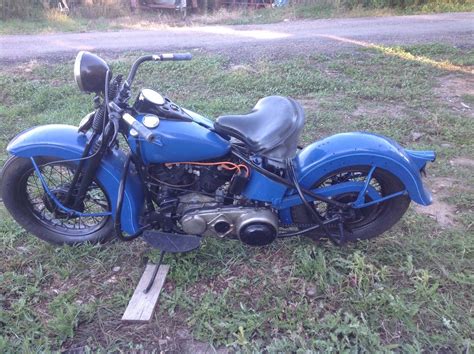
151,96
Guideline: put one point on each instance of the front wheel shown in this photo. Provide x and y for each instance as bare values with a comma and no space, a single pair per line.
26,200
364,223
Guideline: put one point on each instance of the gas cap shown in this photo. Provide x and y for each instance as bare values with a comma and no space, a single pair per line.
133,133
150,121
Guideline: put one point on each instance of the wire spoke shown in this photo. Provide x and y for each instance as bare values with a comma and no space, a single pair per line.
58,177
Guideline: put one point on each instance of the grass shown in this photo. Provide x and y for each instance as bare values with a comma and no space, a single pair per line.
53,22
324,9
101,20
407,291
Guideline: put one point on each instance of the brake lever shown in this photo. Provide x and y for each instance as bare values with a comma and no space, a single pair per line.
124,94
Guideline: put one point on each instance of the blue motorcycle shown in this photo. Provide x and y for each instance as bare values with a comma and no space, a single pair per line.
175,176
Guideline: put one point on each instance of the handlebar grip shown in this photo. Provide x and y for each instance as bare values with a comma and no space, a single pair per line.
173,56
182,56
142,131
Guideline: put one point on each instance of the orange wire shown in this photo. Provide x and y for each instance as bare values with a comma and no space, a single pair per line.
247,173
230,166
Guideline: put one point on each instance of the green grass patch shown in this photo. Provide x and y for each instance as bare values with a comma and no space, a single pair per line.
54,22
409,290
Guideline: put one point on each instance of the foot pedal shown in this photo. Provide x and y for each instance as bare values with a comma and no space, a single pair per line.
172,243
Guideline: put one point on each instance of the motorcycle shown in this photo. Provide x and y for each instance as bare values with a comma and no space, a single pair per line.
177,176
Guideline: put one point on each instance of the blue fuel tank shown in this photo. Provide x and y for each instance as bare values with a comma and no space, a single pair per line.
180,141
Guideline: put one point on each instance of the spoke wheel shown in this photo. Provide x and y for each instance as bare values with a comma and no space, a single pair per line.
361,223
35,210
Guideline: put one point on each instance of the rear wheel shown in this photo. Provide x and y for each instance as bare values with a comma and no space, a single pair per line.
26,200
364,223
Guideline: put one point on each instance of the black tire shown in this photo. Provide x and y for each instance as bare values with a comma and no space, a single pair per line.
367,222
22,197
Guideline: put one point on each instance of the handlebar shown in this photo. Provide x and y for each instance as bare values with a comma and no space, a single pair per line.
142,131
173,56
156,57
117,105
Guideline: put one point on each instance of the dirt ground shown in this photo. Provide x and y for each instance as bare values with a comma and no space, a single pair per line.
286,38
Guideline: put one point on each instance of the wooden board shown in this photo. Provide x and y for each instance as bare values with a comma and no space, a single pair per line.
141,305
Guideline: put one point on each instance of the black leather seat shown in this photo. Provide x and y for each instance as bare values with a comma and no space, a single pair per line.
271,129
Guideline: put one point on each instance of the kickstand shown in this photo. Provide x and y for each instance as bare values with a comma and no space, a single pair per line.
155,272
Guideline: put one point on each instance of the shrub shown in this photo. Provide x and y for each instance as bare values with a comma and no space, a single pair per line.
22,8
377,4
84,8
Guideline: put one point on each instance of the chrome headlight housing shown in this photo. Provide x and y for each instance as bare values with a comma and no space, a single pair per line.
90,72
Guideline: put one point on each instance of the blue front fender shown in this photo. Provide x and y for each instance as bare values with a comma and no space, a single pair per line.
63,141
352,149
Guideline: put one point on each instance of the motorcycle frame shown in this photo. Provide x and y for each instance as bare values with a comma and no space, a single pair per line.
65,142
128,193
323,195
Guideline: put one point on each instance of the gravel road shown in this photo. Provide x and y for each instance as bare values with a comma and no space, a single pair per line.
292,36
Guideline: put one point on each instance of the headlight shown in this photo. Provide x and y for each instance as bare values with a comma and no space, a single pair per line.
90,72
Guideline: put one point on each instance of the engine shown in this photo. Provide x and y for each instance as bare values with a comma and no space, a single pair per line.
253,226
202,201
193,177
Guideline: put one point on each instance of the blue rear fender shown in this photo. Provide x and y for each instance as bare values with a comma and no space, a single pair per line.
352,149
64,142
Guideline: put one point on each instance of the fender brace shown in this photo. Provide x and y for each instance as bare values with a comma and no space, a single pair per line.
50,194
337,241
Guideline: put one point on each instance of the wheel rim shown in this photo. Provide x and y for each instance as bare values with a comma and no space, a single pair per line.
58,176
361,217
